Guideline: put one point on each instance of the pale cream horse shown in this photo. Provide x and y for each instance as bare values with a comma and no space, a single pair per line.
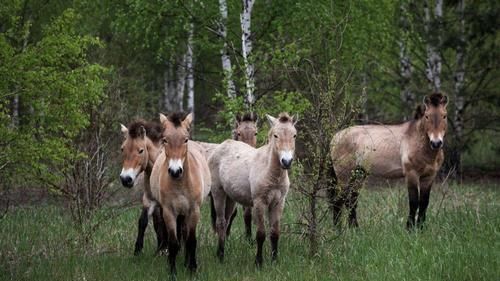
412,150
254,177
140,148
181,181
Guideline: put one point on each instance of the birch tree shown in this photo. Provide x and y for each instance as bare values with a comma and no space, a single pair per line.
433,63
190,70
246,45
226,59
407,96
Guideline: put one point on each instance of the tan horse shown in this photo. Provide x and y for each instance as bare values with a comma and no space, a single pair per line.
254,177
181,179
140,149
245,130
412,150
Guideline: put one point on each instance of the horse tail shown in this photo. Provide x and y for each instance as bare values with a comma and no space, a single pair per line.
213,215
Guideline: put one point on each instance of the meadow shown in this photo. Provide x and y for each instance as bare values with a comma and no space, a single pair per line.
460,241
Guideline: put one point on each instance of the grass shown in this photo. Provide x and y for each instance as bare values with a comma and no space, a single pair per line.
461,241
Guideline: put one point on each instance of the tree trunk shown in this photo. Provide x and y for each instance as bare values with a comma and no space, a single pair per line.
170,90
246,44
190,71
226,59
433,64
181,81
407,96
458,89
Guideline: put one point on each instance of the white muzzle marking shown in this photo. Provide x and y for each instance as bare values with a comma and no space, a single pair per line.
175,164
286,155
130,172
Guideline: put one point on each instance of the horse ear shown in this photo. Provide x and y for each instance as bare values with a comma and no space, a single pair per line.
238,118
124,129
143,132
295,119
444,100
186,123
427,101
163,118
271,120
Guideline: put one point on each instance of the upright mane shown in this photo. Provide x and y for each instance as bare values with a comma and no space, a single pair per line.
284,118
435,99
153,129
176,118
419,112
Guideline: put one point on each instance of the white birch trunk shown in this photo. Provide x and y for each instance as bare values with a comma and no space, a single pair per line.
246,44
433,64
459,78
406,94
190,71
181,82
226,59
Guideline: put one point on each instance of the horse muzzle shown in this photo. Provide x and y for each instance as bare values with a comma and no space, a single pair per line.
286,163
436,144
175,173
127,181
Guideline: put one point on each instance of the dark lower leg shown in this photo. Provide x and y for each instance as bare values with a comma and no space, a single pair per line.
260,237
221,223
191,250
352,204
247,217
413,200
143,223
274,245
422,207
336,203
173,249
160,229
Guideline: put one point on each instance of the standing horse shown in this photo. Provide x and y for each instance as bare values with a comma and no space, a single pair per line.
254,177
140,148
412,150
245,130
181,179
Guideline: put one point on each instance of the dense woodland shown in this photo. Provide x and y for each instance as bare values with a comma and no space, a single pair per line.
72,71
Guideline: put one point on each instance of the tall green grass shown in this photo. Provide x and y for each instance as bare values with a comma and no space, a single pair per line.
461,241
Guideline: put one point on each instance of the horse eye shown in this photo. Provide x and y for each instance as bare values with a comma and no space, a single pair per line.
121,149
294,136
141,150
239,134
186,140
444,117
164,141
426,116
276,136
255,134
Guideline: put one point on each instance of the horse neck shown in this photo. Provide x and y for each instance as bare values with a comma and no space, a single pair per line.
273,168
154,150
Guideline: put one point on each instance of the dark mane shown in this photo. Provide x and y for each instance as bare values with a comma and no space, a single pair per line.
435,99
153,129
419,112
247,117
284,118
176,118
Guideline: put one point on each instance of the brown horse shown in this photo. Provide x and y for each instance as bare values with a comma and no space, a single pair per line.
181,179
254,177
412,150
140,148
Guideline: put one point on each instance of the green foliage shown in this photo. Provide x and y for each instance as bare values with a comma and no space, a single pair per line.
57,88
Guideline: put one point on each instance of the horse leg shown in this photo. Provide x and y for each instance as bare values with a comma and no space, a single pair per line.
259,209
173,242
412,182
220,197
355,185
161,232
142,225
425,191
336,203
191,221
274,222
231,219
247,216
